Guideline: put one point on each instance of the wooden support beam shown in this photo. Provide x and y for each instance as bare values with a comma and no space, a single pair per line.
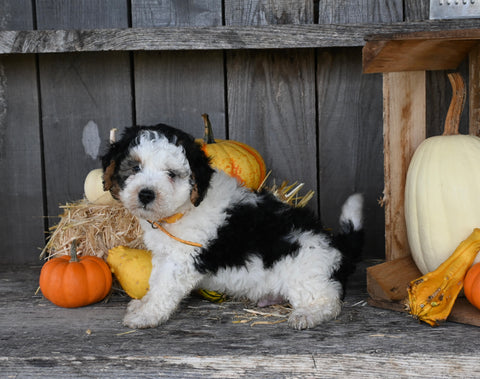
404,129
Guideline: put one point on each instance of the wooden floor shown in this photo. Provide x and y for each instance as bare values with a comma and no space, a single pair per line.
228,340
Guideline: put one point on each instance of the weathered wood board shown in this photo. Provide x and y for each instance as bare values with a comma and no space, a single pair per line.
82,98
360,11
178,87
267,72
271,95
210,38
21,196
203,339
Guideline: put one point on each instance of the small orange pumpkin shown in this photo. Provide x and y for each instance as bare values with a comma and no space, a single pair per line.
471,285
70,282
235,158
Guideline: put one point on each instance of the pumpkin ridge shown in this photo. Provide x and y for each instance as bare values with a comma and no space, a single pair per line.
256,154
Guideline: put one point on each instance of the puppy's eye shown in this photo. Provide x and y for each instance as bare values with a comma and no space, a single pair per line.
136,169
171,174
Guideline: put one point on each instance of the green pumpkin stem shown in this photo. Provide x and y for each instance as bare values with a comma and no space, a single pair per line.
73,252
208,135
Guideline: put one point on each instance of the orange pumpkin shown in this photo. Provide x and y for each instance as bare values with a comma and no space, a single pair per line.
70,282
471,285
235,158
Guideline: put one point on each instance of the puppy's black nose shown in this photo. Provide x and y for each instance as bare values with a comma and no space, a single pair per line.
146,196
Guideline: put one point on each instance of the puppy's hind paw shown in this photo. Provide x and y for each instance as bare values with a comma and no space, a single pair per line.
309,317
299,320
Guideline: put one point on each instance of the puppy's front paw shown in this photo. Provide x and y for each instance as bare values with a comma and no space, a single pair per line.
141,314
134,305
140,320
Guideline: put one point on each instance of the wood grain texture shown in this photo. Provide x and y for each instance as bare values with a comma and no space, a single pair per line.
21,196
404,129
416,10
271,95
178,87
417,54
360,11
211,38
81,14
267,12
271,99
83,97
155,13
474,91
350,140
350,123
206,340
388,281
16,15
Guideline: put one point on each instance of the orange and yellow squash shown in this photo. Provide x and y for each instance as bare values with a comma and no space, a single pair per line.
431,297
70,282
237,159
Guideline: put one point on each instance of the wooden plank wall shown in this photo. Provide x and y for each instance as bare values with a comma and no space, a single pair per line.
310,112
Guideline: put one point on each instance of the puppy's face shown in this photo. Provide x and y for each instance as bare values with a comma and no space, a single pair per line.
149,171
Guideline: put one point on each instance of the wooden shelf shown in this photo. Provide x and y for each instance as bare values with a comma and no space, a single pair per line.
428,50
210,38
403,59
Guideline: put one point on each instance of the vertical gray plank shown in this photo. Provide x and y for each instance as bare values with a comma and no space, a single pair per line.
16,15
271,95
266,12
350,111
81,14
417,10
21,201
152,13
83,96
360,11
177,87
351,140
271,102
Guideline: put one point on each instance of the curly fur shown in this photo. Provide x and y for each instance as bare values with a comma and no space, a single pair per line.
253,245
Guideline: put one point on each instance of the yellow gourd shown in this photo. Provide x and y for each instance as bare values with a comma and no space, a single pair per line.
432,296
132,268
442,202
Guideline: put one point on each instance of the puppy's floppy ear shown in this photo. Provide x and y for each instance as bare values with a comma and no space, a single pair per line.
109,184
116,152
201,170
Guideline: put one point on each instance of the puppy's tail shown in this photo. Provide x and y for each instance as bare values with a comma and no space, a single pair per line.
349,239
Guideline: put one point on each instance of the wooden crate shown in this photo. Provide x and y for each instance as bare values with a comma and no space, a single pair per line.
404,59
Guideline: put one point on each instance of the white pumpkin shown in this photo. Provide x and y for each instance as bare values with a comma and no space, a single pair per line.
442,194
442,197
93,188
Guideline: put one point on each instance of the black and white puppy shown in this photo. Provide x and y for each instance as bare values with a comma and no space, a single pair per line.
213,233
